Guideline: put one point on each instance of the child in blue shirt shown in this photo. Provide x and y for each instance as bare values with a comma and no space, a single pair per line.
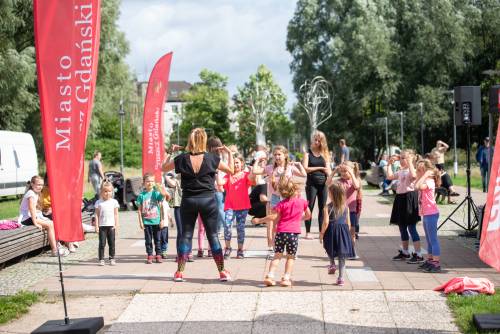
150,215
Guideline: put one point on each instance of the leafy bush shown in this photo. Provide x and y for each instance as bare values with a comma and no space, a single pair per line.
110,149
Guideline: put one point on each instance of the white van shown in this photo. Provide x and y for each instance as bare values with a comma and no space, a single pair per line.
18,162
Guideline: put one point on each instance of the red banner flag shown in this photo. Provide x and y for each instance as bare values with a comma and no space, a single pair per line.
489,250
67,47
153,141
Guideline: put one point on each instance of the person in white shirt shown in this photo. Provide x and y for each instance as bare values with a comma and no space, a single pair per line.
106,215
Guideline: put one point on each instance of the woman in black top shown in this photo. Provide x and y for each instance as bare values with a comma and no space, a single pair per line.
198,169
316,163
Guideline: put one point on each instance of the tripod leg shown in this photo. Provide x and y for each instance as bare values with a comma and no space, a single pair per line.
451,215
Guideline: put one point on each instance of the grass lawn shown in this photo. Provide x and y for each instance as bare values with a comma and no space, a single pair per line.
12,307
460,180
464,307
9,207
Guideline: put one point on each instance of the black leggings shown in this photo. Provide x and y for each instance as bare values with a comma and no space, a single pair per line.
209,212
106,233
313,191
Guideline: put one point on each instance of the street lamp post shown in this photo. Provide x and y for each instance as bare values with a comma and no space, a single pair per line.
121,112
386,133
422,128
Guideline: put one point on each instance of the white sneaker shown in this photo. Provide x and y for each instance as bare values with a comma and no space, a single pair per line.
63,251
112,262
102,263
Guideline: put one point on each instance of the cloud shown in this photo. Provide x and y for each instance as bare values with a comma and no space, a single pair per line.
232,37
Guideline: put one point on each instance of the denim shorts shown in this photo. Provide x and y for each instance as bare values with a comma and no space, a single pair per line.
275,199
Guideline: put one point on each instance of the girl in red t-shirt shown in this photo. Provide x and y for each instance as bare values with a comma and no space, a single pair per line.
236,205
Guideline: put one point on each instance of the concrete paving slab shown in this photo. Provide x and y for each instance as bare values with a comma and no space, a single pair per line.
363,274
232,307
288,324
145,328
297,305
229,327
158,308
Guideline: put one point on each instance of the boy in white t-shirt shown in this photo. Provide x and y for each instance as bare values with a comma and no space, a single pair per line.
106,215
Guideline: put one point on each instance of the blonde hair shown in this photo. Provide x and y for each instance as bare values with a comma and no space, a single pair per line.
323,149
147,176
337,196
286,187
106,184
282,149
197,141
428,165
30,183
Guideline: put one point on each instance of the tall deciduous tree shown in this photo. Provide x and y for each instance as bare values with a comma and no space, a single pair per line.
207,106
261,104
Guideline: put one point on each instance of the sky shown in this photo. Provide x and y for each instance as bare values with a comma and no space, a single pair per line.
232,37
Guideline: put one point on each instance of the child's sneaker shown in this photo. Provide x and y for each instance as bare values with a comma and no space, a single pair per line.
269,281
424,265
158,259
340,282
209,253
401,256
190,258
178,277
163,255
415,259
433,267
286,282
149,259
240,254
112,262
227,253
200,253
101,262
224,276
332,269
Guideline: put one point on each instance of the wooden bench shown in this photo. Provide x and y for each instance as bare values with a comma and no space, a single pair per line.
26,239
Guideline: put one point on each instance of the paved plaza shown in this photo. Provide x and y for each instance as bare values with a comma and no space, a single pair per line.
379,296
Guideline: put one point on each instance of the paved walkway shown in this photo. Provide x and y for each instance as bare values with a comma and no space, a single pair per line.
395,296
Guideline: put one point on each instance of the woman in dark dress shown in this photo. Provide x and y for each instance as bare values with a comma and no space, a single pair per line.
198,169
317,165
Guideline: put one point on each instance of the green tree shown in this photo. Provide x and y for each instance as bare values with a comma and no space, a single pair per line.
261,105
207,106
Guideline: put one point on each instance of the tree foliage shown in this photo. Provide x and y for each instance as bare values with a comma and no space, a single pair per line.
19,106
387,56
207,106
261,97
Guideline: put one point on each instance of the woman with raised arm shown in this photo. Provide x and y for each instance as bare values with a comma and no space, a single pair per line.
198,169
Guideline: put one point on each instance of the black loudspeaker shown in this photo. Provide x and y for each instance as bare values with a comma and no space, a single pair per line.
495,99
467,105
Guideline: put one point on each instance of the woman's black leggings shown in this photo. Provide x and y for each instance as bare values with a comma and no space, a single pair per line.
207,208
313,191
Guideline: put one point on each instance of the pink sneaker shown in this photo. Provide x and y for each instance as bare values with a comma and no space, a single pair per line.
149,259
225,276
340,282
332,269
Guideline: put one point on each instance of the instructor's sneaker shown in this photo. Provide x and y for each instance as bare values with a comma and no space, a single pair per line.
415,259
225,276
401,256
178,277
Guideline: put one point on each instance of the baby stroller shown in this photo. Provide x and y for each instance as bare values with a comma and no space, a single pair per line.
116,178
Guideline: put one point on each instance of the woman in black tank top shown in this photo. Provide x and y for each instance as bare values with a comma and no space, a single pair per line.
198,168
317,164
